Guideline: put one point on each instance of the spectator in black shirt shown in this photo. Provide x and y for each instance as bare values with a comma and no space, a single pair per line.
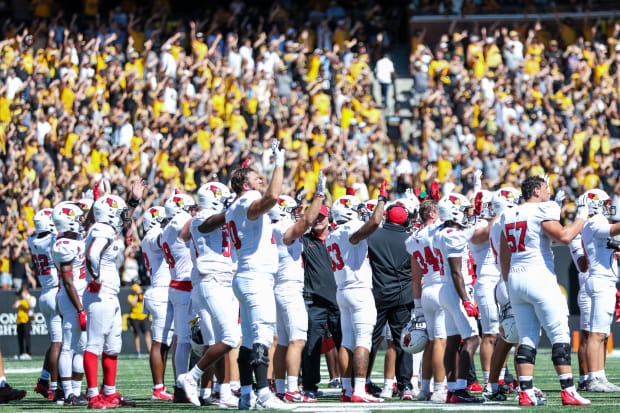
391,279
320,297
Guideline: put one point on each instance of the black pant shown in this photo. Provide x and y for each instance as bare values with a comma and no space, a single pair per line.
319,317
397,318
23,337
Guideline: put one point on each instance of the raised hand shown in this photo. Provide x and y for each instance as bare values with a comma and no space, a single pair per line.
320,185
383,193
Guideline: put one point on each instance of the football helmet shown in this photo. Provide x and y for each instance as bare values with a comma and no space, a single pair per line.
213,195
508,325
453,208
85,203
345,209
177,203
153,217
111,210
503,198
412,205
67,216
486,211
599,203
43,221
414,337
283,209
196,340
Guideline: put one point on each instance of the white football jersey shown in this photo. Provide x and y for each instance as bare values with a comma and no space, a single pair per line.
41,250
451,242
482,254
420,246
576,251
290,266
349,262
210,252
108,271
602,260
494,238
522,227
156,266
253,239
176,252
71,250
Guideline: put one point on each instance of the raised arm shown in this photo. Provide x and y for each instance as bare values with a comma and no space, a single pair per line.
311,214
269,199
375,220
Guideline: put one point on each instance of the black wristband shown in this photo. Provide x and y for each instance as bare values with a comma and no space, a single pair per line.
382,198
133,203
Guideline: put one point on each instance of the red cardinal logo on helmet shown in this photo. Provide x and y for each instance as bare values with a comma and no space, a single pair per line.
407,340
48,213
215,190
112,202
154,212
507,194
455,200
178,200
68,211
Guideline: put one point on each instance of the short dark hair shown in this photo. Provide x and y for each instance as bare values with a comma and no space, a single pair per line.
529,184
426,208
238,178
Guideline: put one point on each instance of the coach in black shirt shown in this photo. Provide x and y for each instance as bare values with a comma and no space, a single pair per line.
391,282
320,297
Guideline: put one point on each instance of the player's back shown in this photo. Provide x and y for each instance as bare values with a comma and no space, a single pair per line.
66,250
290,268
482,253
41,250
601,260
108,270
252,239
176,252
156,266
210,251
452,242
522,226
420,246
349,262
495,234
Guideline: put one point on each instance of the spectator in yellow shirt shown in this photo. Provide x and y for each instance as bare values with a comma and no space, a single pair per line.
24,304
137,319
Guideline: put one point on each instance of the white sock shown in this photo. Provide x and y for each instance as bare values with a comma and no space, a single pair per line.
224,390
158,386
360,386
196,373
461,384
109,389
280,387
596,374
426,386
217,387
205,392
438,387
502,373
77,387
388,384
246,389
264,393
235,385
2,381
485,374
292,383
93,392
346,385
415,381
53,386
451,386
45,375
67,387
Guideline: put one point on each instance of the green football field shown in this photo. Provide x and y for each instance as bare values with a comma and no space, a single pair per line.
134,380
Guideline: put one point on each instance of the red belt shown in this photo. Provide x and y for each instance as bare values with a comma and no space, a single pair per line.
181,285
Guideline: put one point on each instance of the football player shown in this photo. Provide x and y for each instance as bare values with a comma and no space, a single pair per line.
584,301
156,302
348,248
40,245
251,234
291,315
68,253
105,323
214,265
600,284
527,267
451,250
179,210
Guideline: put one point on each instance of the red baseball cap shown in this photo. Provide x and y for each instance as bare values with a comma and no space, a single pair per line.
324,211
398,215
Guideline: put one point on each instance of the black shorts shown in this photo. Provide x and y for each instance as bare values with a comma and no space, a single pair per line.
139,326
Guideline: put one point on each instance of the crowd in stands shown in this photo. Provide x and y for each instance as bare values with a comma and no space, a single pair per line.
184,100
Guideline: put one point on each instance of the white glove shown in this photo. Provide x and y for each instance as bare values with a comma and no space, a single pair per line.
417,309
409,194
559,196
88,194
278,154
582,207
547,181
477,181
320,185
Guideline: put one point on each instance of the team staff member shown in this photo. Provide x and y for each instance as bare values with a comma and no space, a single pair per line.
391,286
137,319
320,298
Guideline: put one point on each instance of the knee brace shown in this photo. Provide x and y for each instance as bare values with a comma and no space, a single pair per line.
525,354
260,355
560,354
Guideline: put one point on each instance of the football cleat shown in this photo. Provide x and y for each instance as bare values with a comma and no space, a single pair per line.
570,397
161,394
190,387
334,384
475,387
7,394
43,388
179,395
372,388
463,396
365,398
407,394
424,396
119,400
344,398
273,403
439,396
498,396
298,397
449,397
230,402
583,386
98,402
247,401
74,400
528,398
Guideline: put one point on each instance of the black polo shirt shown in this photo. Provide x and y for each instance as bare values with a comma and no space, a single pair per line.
319,281
391,266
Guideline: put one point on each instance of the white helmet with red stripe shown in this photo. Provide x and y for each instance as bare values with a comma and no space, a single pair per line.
283,209
67,216
213,195
453,208
43,221
153,217
345,209
599,203
507,197
177,203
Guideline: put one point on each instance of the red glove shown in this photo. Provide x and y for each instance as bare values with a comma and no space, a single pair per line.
350,191
383,190
82,315
96,192
435,190
478,204
176,191
470,308
617,306
93,286
246,162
